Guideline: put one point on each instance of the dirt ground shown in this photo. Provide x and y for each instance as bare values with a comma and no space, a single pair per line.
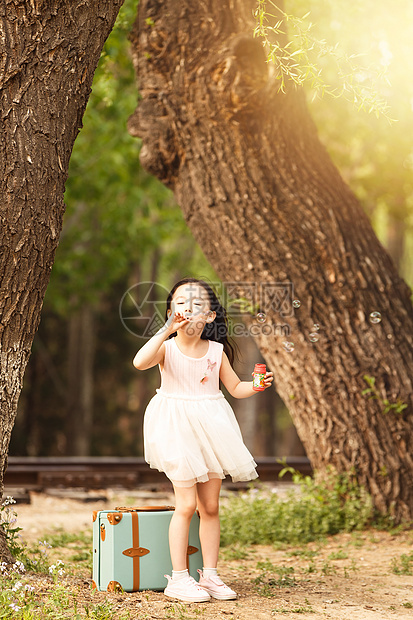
346,577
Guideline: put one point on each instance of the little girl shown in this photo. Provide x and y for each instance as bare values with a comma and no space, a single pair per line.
190,430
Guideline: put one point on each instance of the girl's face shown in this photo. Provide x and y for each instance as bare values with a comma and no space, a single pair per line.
192,301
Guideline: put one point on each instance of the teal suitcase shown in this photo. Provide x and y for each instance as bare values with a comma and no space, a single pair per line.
131,548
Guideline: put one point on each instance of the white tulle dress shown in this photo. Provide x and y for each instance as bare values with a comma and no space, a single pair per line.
190,430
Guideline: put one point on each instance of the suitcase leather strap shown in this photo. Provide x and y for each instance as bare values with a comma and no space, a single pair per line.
135,552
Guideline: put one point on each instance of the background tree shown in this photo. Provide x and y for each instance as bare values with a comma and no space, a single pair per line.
265,202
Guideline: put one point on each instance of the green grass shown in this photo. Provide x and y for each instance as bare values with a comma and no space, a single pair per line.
82,556
236,552
179,611
272,578
79,544
303,553
62,538
338,555
311,568
328,569
403,565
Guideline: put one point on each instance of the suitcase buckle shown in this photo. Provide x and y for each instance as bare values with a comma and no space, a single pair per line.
134,552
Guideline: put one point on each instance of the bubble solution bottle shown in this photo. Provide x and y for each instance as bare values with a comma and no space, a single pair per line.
258,378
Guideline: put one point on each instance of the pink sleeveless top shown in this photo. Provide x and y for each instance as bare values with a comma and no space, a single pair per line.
188,377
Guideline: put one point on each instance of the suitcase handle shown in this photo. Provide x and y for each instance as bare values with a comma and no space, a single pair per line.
143,508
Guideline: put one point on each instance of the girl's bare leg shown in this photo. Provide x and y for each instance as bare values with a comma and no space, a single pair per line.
185,505
209,529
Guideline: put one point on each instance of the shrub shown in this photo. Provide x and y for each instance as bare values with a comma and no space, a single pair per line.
316,509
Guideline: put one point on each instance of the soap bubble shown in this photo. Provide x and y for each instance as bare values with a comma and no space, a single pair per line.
375,317
313,337
316,327
288,346
261,317
296,303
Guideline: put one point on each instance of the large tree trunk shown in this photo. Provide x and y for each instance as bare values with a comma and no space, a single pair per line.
48,55
266,204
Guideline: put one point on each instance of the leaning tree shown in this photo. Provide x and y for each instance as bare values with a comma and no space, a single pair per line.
49,53
266,204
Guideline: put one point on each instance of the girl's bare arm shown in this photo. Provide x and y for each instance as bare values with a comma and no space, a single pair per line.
153,352
234,385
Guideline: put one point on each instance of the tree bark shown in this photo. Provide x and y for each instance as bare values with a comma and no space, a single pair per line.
264,201
48,54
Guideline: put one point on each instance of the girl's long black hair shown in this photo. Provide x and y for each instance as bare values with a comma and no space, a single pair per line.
218,329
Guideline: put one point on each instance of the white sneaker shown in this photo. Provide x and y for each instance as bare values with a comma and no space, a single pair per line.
186,589
216,587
